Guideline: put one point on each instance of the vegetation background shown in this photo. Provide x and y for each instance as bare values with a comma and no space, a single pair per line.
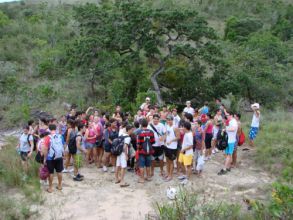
117,52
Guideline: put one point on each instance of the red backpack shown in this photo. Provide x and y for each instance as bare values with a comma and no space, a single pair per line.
241,138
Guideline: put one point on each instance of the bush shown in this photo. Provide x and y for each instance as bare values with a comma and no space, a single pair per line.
239,29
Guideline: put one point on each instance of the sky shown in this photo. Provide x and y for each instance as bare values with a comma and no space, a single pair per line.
1,1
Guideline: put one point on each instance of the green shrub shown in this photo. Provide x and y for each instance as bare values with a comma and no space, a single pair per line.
239,29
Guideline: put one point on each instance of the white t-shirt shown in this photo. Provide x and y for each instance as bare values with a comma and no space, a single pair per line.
255,121
187,142
176,120
161,130
170,137
189,110
127,140
232,134
23,141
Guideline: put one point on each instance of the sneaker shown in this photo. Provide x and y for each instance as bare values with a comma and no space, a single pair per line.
217,151
105,169
65,171
71,170
113,170
182,177
79,175
222,172
77,178
229,169
184,182
213,151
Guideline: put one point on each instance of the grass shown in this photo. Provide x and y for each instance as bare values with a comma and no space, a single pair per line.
17,193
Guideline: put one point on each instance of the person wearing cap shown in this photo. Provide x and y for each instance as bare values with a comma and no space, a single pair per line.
147,102
188,108
254,124
172,137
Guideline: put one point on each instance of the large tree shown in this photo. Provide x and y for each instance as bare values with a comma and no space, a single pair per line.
174,45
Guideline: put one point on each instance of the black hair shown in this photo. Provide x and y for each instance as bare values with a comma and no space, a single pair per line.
25,127
156,116
30,122
187,125
144,123
80,126
136,124
112,120
44,120
44,134
124,124
52,127
188,116
238,115
129,127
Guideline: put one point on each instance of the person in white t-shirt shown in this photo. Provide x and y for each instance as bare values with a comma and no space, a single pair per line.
231,130
186,153
176,118
147,102
121,162
158,147
254,124
188,108
172,138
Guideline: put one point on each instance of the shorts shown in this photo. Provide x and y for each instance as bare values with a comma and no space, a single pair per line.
230,148
99,143
253,132
107,148
185,159
88,145
56,164
144,161
78,159
23,155
121,161
208,140
215,133
171,154
158,153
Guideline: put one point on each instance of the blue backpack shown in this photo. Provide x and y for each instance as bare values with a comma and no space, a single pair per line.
56,146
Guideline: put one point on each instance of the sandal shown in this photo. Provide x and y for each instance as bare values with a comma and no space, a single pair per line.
49,191
124,185
118,181
140,181
58,188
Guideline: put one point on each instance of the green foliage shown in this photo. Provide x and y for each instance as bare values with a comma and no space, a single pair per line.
239,29
4,20
274,144
284,26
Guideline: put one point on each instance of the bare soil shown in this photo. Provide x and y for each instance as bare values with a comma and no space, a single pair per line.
98,197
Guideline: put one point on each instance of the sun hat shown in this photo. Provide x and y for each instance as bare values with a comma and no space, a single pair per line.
255,105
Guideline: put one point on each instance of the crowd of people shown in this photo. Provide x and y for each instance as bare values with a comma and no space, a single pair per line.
120,143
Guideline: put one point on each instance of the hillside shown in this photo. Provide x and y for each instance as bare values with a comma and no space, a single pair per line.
45,57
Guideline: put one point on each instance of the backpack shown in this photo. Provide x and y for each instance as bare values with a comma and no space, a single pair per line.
241,138
72,148
118,145
56,146
34,141
222,140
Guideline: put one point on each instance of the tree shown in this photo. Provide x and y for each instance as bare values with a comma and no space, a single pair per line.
139,37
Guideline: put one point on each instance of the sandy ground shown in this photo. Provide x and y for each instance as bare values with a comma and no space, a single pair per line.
98,197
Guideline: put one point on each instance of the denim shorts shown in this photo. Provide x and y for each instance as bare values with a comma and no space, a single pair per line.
144,161
230,148
88,145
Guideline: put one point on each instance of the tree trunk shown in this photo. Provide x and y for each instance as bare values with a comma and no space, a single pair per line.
155,83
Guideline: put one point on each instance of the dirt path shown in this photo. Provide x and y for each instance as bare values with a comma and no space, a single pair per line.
97,197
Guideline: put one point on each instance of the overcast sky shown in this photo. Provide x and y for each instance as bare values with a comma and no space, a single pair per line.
8,1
